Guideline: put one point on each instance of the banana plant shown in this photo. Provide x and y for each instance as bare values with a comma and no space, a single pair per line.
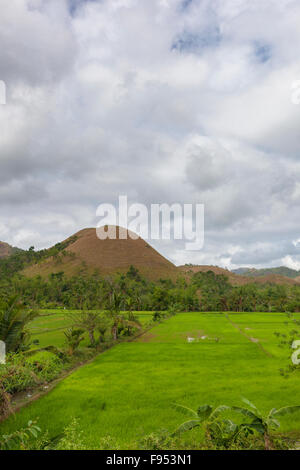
223,432
219,430
263,424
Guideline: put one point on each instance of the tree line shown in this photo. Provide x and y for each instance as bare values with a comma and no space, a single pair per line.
202,292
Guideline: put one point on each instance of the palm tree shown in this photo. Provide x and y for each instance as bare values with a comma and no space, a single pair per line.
114,309
130,321
129,304
73,339
14,317
116,318
88,321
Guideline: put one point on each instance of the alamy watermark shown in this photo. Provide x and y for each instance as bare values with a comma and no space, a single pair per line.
295,87
2,92
2,352
156,222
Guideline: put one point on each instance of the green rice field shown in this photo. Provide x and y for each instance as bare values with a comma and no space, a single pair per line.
128,391
49,327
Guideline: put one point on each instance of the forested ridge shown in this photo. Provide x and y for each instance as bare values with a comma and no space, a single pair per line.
203,291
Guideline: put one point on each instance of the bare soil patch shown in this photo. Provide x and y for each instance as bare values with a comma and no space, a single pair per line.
146,338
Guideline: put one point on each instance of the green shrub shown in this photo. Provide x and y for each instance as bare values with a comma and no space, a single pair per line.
15,376
20,439
45,365
72,438
21,372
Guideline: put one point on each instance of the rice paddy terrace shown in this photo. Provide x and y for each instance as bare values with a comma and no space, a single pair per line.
127,392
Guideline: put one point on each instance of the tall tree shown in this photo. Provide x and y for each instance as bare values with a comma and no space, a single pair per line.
14,318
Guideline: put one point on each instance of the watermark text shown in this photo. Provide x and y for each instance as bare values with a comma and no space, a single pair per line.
157,222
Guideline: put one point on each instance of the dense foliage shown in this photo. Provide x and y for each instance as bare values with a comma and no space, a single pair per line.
224,433
203,292
14,317
22,258
105,315
217,294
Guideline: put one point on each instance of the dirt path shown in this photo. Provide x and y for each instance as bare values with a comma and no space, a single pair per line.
253,340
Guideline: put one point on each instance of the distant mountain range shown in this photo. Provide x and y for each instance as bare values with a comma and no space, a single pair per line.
282,271
242,276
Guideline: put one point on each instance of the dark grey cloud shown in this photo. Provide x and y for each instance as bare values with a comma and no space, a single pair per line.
37,44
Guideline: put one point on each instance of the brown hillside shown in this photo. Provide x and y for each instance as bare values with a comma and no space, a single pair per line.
234,279
275,279
5,250
237,279
88,253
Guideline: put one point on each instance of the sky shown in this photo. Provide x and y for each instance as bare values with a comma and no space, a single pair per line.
165,101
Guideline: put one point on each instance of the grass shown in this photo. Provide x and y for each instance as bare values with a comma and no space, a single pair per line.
262,326
127,392
49,327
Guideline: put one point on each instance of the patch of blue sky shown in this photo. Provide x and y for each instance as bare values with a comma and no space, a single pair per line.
262,52
185,4
74,4
197,41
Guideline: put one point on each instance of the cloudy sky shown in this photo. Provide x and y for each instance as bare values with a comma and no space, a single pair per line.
186,101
